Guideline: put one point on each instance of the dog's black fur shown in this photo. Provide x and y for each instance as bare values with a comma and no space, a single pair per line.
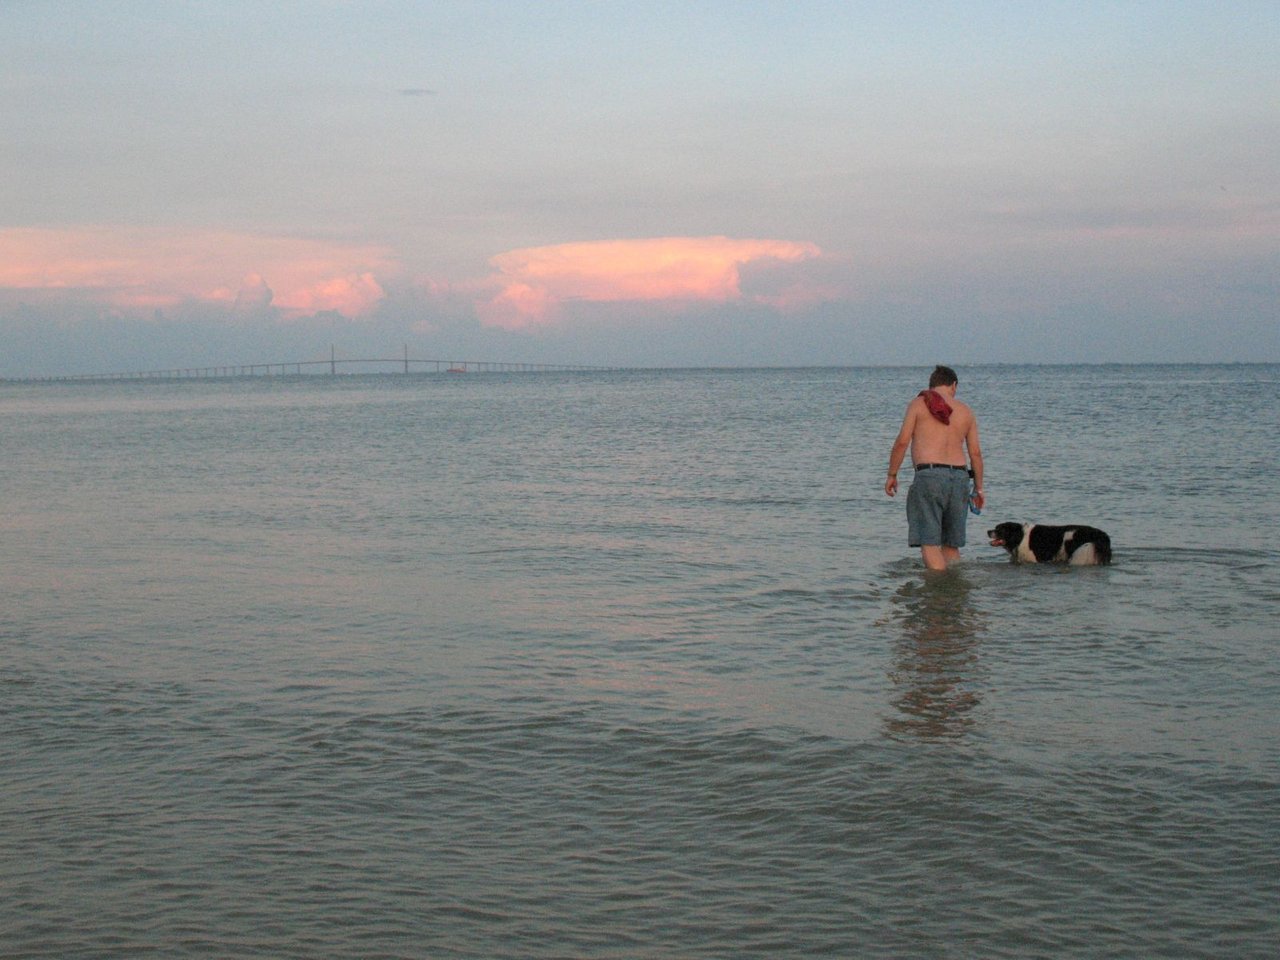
1075,543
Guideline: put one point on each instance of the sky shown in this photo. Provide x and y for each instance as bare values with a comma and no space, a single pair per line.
716,183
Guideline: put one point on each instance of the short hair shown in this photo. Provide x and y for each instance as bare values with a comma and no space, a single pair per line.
942,377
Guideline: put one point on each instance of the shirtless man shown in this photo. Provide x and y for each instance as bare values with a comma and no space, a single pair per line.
938,429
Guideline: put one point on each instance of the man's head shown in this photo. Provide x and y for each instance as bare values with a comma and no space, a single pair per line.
942,377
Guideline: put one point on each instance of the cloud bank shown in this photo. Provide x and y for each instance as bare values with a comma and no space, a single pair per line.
533,283
149,268
140,270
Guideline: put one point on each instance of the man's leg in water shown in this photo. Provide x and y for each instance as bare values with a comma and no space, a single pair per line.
933,503
953,520
938,558
933,557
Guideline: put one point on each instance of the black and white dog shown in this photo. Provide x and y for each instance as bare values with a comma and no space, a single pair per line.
1038,543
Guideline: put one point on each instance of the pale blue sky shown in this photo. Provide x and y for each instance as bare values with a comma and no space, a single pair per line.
192,182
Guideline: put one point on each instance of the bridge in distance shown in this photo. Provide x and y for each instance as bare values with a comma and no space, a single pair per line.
332,366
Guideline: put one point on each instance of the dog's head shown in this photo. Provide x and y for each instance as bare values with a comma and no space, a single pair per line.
1007,535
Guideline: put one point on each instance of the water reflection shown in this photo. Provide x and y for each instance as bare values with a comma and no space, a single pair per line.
935,657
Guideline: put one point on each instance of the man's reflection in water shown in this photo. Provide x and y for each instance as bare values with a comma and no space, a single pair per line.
935,657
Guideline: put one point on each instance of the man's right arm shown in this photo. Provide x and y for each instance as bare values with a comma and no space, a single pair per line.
900,447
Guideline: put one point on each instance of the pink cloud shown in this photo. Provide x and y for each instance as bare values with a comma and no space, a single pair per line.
146,268
254,295
533,282
351,296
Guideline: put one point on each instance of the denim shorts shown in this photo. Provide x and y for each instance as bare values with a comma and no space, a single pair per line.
937,508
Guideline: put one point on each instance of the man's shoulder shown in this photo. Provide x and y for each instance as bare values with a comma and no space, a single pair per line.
963,412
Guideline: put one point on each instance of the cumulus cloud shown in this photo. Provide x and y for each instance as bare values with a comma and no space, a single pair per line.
532,283
253,296
146,269
797,287
352,296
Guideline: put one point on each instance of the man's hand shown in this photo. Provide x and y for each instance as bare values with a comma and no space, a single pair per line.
891,484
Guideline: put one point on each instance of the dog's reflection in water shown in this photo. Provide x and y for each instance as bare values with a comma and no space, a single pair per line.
935,659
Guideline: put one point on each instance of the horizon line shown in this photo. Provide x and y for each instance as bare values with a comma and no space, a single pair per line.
294,368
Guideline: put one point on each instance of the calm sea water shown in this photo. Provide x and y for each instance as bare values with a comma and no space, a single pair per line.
633,665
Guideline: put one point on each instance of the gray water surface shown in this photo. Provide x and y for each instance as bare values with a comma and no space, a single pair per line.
633,664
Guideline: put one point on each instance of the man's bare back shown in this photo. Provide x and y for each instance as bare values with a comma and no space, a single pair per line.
935,442
931,441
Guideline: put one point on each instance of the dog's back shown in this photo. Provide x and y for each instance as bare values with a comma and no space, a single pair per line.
1086,545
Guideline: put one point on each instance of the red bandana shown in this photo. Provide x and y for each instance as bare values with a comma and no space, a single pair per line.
937,406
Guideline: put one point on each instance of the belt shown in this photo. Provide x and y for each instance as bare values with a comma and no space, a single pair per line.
938,466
